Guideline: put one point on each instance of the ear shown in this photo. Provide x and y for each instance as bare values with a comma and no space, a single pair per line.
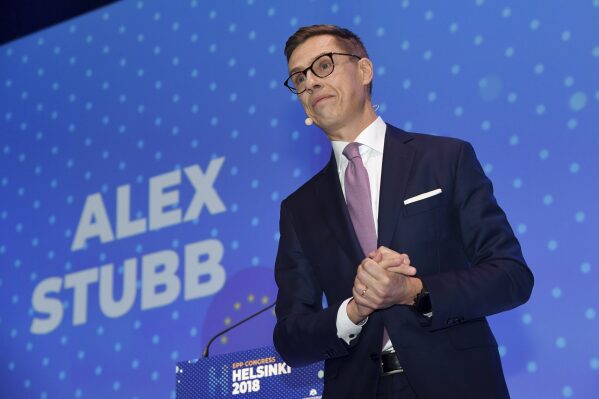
366,70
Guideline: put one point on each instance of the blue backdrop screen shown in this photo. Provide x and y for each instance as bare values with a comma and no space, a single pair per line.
146,147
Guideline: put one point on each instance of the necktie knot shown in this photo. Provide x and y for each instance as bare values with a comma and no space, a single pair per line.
352,150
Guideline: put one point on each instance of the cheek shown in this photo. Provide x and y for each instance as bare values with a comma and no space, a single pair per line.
305,106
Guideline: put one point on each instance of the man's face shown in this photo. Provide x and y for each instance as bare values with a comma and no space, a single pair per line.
334,100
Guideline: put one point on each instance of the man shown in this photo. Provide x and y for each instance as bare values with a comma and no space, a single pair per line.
401,233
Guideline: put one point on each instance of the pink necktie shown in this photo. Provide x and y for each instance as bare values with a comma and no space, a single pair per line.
357,196
359,203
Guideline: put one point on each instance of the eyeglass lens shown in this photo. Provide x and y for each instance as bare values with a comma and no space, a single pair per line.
321,67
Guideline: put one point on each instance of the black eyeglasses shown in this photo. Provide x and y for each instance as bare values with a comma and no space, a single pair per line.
322,67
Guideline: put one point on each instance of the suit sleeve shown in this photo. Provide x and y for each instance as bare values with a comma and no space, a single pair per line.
305,332
497,278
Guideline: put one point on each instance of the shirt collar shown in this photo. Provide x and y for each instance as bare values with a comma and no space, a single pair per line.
373,137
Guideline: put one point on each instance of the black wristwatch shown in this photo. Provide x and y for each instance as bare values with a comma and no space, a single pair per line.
422,303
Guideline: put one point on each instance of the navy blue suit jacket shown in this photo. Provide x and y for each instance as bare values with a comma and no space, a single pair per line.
459,241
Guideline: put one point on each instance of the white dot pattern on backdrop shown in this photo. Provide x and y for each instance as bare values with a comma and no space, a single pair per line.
142,88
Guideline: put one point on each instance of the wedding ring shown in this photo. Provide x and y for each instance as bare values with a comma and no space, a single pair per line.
364,291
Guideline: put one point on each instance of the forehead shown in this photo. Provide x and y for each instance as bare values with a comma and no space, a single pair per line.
306,52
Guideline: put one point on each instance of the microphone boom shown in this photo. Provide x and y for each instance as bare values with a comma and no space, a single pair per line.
206,349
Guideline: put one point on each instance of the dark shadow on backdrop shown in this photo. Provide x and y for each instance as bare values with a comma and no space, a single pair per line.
19,18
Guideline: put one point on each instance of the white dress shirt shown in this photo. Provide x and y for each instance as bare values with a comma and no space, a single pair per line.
373,142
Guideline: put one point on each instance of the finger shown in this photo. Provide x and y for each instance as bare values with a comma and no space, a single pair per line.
366,277
376,256
389,253
359,285
357,297
374,288
384,250
379,254
372,269
393,260
362,300
368,298
378,284
404,269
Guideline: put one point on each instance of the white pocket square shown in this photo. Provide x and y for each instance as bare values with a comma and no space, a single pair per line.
422,196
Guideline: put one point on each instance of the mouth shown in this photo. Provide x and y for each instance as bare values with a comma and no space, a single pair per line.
319,100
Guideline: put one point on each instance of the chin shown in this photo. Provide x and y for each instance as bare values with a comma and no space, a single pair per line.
328,117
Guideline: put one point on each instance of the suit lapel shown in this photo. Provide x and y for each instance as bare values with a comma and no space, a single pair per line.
397,161
330,196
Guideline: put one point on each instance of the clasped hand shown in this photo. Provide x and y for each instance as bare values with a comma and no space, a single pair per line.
383,279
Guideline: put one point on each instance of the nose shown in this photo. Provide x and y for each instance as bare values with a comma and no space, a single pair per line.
312,81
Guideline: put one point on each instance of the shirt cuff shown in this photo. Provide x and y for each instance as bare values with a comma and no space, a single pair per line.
346,329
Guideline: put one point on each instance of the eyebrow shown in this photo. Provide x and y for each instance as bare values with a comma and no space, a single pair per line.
298,69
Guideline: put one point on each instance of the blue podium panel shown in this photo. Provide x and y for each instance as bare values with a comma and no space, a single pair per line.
256,373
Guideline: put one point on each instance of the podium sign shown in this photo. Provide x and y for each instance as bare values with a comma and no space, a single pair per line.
256,373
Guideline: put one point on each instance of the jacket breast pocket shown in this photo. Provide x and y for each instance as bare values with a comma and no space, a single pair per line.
472,334
423,205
